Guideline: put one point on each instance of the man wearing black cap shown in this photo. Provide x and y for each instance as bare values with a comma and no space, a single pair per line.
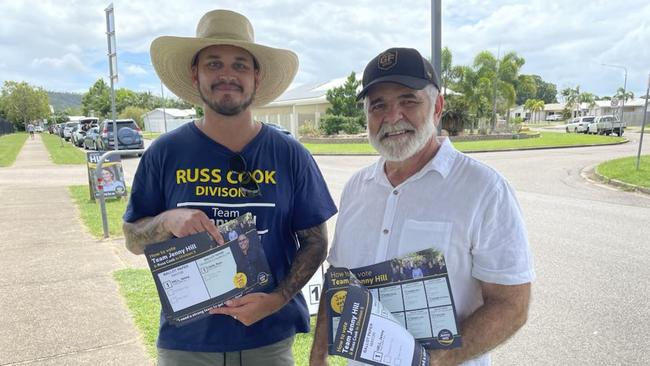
423,193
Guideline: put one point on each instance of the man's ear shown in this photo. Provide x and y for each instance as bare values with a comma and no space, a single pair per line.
195,76
440,105
256,75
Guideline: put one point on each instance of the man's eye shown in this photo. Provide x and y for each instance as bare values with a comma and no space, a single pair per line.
239,66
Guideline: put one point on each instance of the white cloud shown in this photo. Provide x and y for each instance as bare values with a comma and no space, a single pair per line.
68,62
564,42
135,70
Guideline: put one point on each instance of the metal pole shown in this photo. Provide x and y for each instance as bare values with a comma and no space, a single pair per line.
164,102
645,116
100,186
112,64
436,41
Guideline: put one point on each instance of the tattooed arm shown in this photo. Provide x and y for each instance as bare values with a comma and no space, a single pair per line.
178,223
312,253
255,306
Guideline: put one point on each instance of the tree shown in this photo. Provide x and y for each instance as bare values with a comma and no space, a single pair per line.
22,103
502,75
344,113
134,113
534,106
97,100
621,93
541,90
570,96
124,98
449,72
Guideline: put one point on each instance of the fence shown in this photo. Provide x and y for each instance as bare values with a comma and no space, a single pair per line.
6,127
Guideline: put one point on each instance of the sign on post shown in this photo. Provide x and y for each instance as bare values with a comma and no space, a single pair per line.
112,177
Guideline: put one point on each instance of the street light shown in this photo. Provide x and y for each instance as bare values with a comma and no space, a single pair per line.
624,91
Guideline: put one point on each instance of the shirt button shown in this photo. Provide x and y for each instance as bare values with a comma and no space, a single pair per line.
395,192
385,231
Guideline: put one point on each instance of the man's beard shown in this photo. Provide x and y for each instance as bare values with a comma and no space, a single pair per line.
228,107
404,146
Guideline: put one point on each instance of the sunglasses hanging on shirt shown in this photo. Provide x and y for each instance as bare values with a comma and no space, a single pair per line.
247,185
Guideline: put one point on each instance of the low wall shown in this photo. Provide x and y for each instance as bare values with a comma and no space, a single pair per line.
362,140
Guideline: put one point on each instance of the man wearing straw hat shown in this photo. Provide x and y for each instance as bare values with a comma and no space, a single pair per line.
226,164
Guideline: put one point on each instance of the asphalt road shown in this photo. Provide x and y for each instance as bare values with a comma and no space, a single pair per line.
591,303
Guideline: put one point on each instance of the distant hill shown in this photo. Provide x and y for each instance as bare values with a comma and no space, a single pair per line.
63,100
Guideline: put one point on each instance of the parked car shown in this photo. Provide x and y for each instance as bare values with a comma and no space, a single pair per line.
91,139
579,124
38,128
79,132
554,117
129,135
279,128
606,125
67,130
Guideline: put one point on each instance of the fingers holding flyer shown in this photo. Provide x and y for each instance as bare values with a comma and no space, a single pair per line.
251,308
383,315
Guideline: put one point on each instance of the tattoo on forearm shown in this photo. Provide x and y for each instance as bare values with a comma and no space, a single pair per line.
144,232
312,253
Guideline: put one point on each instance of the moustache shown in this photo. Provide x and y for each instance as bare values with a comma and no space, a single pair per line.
389,128
224,83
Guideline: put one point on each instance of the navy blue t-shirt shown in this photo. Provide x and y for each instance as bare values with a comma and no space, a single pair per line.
185,168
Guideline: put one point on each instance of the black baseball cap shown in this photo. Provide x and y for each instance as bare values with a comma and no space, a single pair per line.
404,66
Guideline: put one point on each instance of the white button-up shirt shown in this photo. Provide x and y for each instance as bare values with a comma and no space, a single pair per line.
455,204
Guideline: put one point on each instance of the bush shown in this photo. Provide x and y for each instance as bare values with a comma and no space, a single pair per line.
333,124
308,129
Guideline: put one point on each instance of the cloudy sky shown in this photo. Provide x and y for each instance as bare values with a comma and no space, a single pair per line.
61,45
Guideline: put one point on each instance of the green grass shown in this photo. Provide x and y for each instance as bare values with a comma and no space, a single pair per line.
91,215
139,292
66,154
10,146
624,169
150,135
137,287
546,139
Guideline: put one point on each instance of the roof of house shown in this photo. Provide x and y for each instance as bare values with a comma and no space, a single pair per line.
177,113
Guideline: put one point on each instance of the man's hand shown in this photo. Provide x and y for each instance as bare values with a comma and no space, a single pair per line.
251,308
182,222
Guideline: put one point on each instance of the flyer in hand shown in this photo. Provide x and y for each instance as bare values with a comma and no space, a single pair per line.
193,274
390,313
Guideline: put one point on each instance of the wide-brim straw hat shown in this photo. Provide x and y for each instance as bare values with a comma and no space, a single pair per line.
172,57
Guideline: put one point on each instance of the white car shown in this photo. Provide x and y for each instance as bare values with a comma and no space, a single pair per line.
554,117
579,124
606,125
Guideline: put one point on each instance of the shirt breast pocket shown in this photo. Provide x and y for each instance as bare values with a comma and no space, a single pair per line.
419,235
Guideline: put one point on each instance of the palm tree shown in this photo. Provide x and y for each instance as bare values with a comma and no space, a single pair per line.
570,96
588,98
622,94
534,106
501,74
449,72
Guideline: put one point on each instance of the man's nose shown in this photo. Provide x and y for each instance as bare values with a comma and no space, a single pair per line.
227,78
394,114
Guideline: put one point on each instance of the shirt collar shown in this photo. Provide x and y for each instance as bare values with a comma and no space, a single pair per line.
441,163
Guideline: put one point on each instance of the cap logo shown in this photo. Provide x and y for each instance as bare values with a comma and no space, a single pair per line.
387,60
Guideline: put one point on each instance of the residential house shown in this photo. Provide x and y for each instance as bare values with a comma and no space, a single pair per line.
167,119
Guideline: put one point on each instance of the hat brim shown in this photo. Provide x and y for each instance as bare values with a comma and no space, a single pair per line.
172,60
407,81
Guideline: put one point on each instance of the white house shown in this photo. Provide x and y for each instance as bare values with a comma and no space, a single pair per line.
167,119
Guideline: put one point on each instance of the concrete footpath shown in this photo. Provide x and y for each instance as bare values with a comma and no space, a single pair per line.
59,304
